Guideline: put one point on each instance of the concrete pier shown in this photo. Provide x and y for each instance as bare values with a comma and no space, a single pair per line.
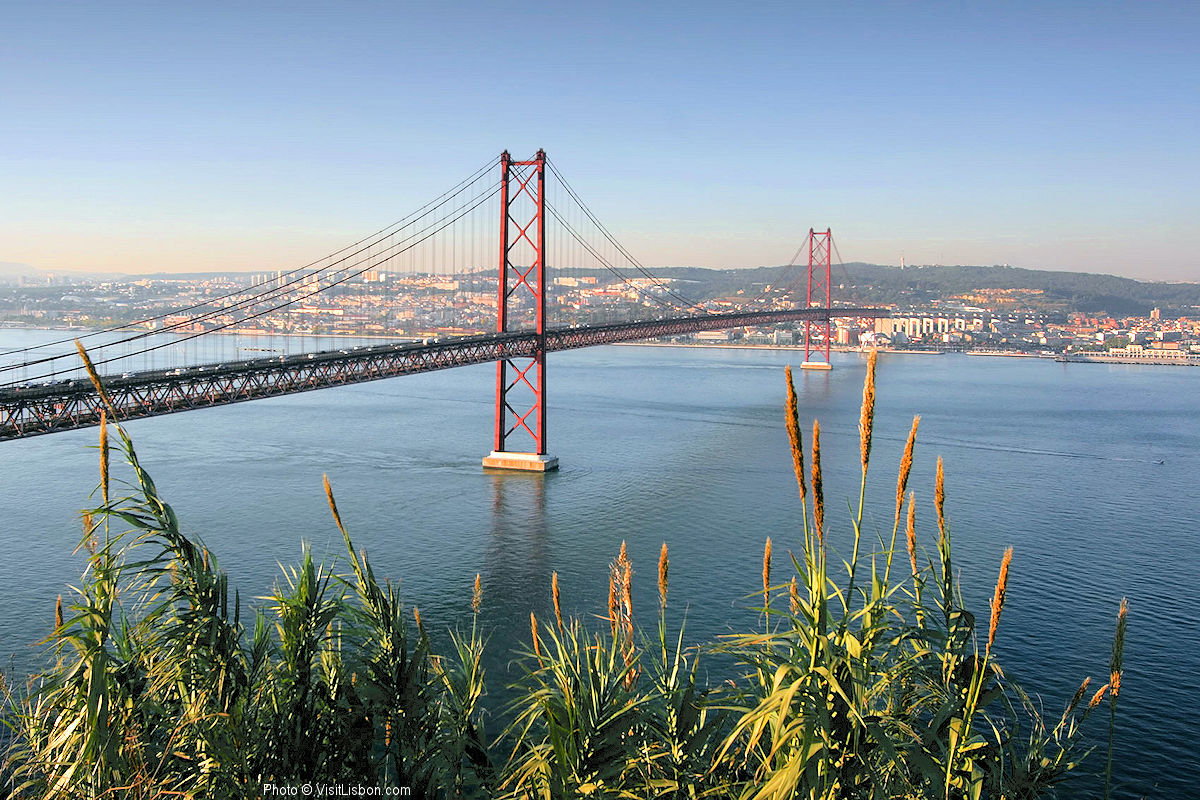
816,365
527,462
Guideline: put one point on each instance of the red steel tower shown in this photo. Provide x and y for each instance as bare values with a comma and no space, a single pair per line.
819,247
521,382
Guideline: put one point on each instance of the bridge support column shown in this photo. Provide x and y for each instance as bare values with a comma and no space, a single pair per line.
820,246
521,382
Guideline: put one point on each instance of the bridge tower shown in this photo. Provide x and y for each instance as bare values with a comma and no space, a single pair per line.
820,295
521,381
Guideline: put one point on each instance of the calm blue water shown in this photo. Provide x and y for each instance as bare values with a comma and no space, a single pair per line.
1087,470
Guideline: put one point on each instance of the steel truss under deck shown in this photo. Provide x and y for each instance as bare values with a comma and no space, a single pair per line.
34,410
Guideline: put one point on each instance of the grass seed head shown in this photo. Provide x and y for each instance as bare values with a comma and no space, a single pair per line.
627,599
95,378
794,597
766,571
90,541
906,462
1116,663
554,595
533,630
792,421
817,485
998,597
1097,697
333,509
477,594
939,498
664,565
1078,695
866,418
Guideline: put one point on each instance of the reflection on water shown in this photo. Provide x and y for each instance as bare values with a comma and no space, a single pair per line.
516,559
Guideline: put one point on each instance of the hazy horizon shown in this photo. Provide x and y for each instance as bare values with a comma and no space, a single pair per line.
217,137
11,268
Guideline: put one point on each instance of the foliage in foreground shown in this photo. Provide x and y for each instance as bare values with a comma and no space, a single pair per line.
867,680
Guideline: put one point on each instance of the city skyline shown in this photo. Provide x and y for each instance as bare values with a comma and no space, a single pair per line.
213,137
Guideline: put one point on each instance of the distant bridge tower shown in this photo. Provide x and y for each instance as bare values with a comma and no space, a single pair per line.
521,382
820,295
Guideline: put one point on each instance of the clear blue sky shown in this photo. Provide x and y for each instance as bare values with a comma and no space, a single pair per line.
250,135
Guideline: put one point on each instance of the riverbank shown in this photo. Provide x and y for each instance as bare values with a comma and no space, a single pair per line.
1160,361
715,346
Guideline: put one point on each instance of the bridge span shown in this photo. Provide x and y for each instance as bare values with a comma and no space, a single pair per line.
439,251
49,408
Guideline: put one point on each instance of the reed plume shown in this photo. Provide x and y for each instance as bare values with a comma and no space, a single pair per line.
477,594
817,487
58,614
1077,696
792,421
906,462
627,597
554,595
794,597
1098,696
998,597
89,539
95,379
625,567
533,630
766,572
939,499
1116,663
620,594
333,509
664,565
1115,668
866,419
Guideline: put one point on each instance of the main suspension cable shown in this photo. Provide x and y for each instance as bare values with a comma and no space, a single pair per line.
377,235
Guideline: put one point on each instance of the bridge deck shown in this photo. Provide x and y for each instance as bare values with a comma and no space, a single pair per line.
48,408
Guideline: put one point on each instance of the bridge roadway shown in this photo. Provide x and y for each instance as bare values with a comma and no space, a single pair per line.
49,408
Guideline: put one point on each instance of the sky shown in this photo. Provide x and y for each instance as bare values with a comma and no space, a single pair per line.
186,136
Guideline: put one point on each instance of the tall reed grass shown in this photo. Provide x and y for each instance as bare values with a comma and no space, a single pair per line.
858,681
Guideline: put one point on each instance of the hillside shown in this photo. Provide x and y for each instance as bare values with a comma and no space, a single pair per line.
871,283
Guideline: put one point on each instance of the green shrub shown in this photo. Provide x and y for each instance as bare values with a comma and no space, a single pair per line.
866,679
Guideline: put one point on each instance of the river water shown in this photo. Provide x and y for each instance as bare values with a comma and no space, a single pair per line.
1089,471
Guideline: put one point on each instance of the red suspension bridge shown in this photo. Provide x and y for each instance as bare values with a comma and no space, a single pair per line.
439,282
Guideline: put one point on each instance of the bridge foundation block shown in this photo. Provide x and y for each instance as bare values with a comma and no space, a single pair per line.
525,462
816,365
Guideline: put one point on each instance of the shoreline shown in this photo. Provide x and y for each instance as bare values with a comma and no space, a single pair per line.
1139,361
1059,357
841,349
